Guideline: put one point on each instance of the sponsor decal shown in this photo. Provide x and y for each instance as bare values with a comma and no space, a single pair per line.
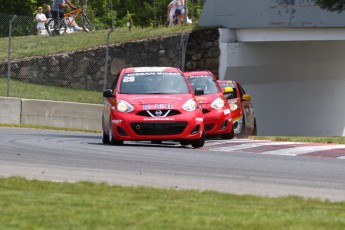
226,111
159,106
116,121
159,119
149,69
146,107
199,119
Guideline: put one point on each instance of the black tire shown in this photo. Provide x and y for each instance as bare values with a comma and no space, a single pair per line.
198,143
255,131
105,137
50,26
52,31
243,133
228,136
184,142
112,140
87,23
156,142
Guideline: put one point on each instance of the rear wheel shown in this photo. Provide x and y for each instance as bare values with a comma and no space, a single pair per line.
198,143
60,29
87,23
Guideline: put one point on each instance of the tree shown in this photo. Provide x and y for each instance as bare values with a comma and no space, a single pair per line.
331,5
18,7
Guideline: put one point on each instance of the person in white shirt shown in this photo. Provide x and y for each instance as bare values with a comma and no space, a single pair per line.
41,20
171,11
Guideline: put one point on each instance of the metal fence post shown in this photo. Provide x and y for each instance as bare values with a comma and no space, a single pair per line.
183,47
9,55
185,12
107,48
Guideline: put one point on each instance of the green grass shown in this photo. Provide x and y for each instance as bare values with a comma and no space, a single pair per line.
36,45
43,92
47,205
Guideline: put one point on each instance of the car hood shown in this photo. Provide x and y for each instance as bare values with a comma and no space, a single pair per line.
169,101
207,98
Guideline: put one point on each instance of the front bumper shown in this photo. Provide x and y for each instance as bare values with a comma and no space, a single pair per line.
128,127
217,122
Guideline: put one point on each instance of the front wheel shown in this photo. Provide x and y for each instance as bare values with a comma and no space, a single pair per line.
255,130
112,140
198,143
228,136
88,24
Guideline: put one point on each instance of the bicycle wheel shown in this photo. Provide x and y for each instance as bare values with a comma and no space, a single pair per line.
50,26
55,30
87,23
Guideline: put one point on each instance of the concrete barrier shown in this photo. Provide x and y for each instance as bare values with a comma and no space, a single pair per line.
51,113
10,110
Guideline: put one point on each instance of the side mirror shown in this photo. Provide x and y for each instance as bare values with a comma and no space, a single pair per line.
228,90
246,97
199,91
108,93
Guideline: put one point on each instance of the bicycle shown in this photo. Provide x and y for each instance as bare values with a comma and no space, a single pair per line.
65,24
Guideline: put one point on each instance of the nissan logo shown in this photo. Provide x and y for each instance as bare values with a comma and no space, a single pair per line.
158,113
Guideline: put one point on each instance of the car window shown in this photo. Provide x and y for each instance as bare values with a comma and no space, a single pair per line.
231,95
153,83
205,82
242,92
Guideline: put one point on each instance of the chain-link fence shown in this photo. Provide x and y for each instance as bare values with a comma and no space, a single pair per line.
78,76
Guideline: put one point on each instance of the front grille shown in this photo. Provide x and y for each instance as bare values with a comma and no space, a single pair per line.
167,113
158,128
208,126
204,111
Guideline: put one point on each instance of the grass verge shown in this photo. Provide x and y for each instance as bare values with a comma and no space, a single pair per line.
37,45
43,92
32,204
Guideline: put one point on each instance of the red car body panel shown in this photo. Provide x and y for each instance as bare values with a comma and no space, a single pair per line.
214,119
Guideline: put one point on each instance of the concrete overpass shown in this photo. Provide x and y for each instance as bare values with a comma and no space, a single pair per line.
290,56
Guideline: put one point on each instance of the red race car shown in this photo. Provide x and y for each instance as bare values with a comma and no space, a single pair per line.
152,104
241,107
216,110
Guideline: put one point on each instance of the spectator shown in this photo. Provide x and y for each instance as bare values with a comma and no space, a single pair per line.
58,11
48,12
180,7
41,20
171,13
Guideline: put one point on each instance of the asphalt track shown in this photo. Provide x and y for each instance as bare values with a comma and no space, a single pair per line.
245,166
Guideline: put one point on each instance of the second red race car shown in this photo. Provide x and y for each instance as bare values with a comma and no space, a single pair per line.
216,110
152,104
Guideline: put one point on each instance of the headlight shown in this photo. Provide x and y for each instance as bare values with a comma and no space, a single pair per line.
190,105
124,106
218,103
233,106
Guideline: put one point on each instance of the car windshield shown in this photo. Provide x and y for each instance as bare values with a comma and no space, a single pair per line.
229,95
205,82
153,83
